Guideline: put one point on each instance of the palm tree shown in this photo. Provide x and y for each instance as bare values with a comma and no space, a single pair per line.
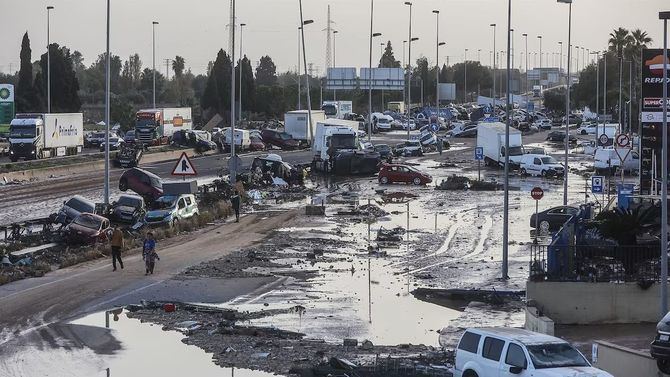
639,41
619,39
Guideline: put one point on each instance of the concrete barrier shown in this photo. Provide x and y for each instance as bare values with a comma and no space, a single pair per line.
90,166
584,303
537,322
625,362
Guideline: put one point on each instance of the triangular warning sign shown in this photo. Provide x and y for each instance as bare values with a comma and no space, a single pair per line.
184,166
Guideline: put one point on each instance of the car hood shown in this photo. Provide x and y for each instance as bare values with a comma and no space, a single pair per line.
128,210
81,230
573,372
159,213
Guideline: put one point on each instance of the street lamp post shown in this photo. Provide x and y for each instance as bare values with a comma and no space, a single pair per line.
107,111
465,79
560,60
437,62
409,68
49,8
239,115
299,68
304,59
233,157
494,69
505,250
539,38
525,36
335,32
372,35
597,92
567,105
664,171
153,47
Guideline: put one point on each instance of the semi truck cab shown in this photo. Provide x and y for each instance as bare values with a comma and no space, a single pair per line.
25,138
147,127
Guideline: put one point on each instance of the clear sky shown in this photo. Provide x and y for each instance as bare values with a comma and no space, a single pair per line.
196,29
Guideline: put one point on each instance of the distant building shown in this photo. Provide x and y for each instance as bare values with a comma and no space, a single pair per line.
547,77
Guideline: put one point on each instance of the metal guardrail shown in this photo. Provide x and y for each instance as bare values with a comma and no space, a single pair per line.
595,263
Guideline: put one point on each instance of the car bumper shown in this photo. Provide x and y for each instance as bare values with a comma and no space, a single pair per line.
660,350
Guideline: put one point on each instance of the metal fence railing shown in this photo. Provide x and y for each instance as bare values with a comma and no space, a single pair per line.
595,263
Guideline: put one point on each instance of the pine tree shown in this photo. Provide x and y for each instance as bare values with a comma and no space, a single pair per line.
266,72
218,99
26,100
388,59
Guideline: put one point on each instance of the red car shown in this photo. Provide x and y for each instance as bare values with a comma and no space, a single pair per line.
88,229
144,183
257,143
396,173
279,139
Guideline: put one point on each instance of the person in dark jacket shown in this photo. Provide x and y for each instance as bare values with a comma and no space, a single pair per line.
235,202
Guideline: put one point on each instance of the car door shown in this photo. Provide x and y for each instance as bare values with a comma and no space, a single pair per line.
515,362
190,206
492,350
181,208
404,175
537,166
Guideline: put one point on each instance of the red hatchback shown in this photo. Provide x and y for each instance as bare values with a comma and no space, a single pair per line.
396,173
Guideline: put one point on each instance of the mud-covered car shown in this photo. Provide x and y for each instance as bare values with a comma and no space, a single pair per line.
408,149
128,209
170,209
72,208
146,184
88,229
397,173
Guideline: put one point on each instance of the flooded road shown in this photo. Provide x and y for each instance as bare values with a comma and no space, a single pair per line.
85,348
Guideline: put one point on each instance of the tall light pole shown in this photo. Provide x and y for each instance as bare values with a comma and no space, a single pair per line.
335,32
304,59
409,68
539,38
512,48
567,105
233,156
239,115
505,253
525,36
299,68
494,69
49,8
437,61
597,92
465,80
372,36
107,110
664,171
153,48
560,60
479,55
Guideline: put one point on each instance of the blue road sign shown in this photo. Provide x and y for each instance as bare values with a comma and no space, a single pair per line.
597,184
479,153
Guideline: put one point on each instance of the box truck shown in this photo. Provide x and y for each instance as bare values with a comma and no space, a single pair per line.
156,126
491,137
296,124
33,136
336,149
337,109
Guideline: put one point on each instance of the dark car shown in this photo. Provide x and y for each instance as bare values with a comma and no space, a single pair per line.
396,173
257,143
553,218
73,208
128,209
279,139
384,151
146,184
94,139
88,229
129,137
115,143
408,149
559,137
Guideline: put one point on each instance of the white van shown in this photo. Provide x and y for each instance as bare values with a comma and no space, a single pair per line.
510,352
383,122
608,159
540,165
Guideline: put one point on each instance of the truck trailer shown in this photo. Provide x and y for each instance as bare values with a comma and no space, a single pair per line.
296,124
491,137
33,136
156,126
337,109
336,149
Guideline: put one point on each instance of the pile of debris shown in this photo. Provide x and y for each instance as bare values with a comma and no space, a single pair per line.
390,235
456,182
371,211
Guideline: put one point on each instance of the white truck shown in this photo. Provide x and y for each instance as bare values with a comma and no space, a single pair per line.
296,123
156,126
33,136
491,137
242,140
333,135
337,109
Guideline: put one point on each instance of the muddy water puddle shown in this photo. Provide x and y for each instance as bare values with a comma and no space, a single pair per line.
85,348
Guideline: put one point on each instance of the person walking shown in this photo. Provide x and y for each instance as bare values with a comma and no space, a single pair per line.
440,145
117,245
235,202
149,253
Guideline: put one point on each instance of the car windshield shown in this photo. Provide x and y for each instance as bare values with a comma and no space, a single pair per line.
549,160
79,205
383,121
330,110
21,131
165,202
129,201
515,151
382,147
113,140
88,221
285,136
98,135
343,141
555,355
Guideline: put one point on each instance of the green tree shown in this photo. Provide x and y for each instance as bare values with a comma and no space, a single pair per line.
478,78
619,40
64,83
121,112
132,72
26,97
554,100
146,84
216,97
266,72
388,60
248,84
178,65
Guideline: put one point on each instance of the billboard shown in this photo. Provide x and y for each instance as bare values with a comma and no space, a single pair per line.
7,107
382,78
651,146
341,78
447,92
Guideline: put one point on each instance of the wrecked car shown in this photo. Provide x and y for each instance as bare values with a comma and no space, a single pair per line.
129,155
88,229
170,209
146,184
272,166
396,173
73,208
408,149
128,209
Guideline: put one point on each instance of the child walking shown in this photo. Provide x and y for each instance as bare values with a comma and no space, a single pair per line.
149,253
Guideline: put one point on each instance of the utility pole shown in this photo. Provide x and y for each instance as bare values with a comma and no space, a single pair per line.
107,110
304,59
505,266
239,114
167,69
299,69
494,69
233,159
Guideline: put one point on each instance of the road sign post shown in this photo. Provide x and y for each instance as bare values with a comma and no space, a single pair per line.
622,141
184,167
597,187
479,156
537,193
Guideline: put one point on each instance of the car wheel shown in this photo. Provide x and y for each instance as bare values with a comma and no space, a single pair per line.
470,373
663,365
544,226
123,184
384,180
416,181
583,132
523,171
